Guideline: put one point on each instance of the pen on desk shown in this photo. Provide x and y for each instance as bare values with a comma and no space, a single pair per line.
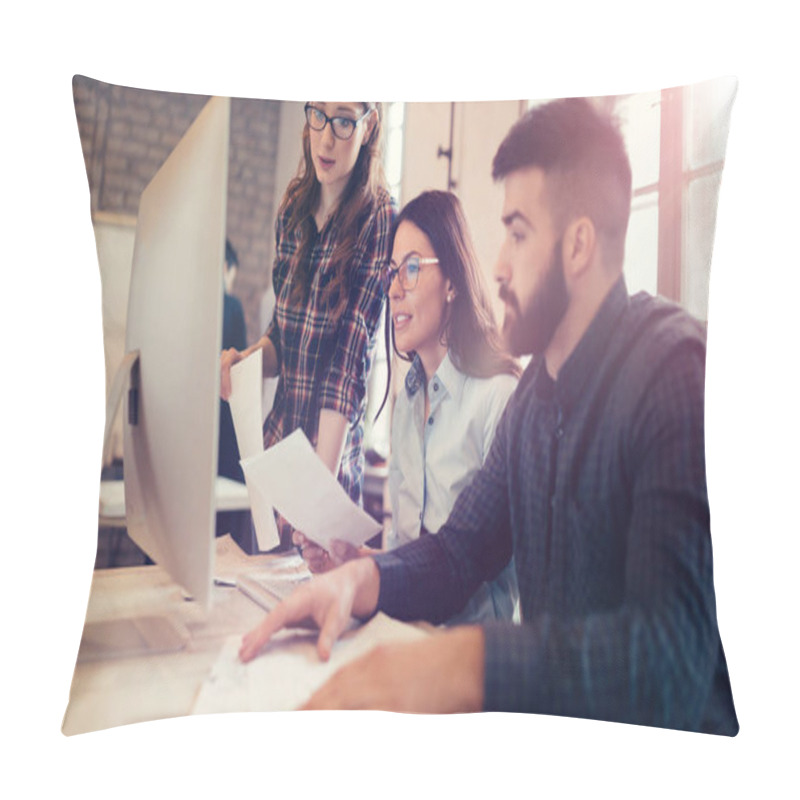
224,582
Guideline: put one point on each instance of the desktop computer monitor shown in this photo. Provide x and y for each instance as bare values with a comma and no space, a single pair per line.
171,409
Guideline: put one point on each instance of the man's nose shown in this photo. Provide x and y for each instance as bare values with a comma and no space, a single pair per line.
502,268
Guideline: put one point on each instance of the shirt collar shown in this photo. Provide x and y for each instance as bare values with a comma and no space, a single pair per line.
593,345
415,377
451,379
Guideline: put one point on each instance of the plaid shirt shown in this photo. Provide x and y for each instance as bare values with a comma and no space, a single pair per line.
324,363
596,484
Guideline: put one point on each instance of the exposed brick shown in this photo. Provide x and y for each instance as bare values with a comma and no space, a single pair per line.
116,163
126,134
119,129
113,200
145,170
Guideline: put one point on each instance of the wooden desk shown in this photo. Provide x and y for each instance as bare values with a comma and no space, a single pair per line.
108,693
120,690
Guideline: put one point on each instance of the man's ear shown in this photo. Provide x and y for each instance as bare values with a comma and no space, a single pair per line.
579,246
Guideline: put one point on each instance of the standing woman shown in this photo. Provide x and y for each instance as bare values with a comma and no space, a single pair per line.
455,391
332,240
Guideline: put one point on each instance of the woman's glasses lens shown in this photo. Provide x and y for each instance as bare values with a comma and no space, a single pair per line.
343,127
407,273
412,272
315,118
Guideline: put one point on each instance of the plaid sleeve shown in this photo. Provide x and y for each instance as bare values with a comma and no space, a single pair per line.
344,383
650,660
433,577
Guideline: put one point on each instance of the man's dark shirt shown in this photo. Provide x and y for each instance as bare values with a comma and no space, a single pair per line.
596,483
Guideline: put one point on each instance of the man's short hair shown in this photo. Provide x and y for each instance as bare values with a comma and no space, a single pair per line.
583,156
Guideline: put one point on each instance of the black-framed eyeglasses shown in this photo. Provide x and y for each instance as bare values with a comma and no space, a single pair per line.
342,127
407,273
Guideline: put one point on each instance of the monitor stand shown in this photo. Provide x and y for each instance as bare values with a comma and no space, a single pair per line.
130,637
137,635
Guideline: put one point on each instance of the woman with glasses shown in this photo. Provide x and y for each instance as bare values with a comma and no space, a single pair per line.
332,241
454,392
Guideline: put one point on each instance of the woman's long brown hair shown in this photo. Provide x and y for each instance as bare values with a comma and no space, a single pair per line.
357,203
470,330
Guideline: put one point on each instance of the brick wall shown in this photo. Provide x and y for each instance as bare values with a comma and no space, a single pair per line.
126,134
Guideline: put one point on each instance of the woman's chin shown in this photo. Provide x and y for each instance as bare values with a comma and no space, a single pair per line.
404,342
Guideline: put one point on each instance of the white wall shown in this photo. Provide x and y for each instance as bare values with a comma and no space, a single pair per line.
115,238
478,129
427,127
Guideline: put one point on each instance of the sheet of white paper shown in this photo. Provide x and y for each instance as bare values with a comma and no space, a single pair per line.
261,508
305,492
245,402
289,669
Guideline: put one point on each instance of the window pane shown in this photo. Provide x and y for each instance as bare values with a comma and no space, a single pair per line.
701,216
640,122
707,115
394,115
641,245
394,159
393,148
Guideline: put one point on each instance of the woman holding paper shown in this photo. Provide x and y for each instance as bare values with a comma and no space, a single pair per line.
332,247
454,392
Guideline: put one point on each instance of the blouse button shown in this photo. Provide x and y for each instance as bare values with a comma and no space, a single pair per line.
430,420
435,387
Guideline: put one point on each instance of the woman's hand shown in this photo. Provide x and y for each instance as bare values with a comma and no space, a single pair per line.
316,558
228,358
320,560
269,363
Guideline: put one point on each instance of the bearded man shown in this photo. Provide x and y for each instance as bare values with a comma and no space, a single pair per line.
595,483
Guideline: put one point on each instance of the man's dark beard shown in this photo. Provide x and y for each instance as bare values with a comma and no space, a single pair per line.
529,332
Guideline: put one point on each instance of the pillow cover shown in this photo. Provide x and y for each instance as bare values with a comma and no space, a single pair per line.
675,139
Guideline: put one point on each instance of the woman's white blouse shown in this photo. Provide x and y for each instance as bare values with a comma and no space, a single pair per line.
433,459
